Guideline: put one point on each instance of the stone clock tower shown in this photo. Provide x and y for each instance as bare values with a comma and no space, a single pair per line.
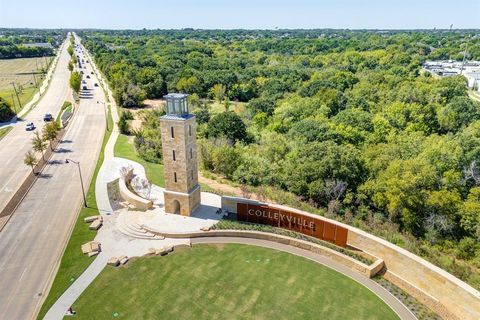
179,146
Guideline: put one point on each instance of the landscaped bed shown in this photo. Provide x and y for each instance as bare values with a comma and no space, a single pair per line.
230,223
227,282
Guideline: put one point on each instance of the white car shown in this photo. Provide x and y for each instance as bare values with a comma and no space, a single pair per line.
30,126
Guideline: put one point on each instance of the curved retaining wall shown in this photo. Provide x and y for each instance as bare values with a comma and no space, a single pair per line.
355,265
447,295
135,200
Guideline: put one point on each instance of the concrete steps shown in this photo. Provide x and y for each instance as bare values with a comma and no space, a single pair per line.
126,224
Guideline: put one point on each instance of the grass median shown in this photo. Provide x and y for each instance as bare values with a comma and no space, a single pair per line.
229,281
74,262
4,131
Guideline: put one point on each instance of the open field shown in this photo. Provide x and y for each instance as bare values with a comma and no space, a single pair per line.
25,96
20,71
227,282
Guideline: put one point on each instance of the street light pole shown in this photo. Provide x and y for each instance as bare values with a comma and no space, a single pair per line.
106,114
81,179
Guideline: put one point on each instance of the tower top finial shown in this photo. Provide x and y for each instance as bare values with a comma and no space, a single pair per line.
177,104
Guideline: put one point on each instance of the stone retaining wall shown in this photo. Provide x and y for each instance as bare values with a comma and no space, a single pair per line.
137,201
438,289
355,265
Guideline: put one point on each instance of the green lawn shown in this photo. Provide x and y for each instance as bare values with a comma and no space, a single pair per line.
4,131
124,148
227,282
25,97
74,262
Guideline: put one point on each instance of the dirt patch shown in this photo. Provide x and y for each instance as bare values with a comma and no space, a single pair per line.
154,104
226,189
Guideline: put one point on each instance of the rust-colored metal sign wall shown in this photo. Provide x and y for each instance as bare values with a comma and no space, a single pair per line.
294,221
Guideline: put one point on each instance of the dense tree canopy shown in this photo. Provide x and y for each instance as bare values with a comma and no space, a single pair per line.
345,120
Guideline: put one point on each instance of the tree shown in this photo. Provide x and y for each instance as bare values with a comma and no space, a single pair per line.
123,124
50,131
229,125
225,160
39,145
188,85
30,160
132,97
70,66
202,114
6,112
75,81
218,91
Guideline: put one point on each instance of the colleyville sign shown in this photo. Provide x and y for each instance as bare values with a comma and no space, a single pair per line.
308,225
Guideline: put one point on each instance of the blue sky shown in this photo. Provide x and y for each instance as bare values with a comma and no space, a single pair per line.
247,14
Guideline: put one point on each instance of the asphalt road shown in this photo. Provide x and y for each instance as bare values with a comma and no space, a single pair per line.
32,242
18,141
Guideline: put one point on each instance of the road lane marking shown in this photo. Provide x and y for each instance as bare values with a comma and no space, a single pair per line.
22,275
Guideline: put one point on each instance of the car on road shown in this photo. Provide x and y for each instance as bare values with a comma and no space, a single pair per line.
91,72
84,88
30,126
83,81
96,84
47,117
88,77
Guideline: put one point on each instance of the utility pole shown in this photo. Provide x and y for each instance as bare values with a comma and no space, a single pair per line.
14,105
35,80
105,107
464,56
16,93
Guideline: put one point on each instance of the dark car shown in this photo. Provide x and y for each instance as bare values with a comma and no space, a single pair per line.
91,72
47,117
84,88
88,77
96,84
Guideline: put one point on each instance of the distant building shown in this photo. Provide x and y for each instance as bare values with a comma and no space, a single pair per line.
38,45
473,80
448,68
112,47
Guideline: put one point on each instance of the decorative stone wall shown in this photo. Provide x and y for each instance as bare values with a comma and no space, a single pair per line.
355,265
438,289
137,201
